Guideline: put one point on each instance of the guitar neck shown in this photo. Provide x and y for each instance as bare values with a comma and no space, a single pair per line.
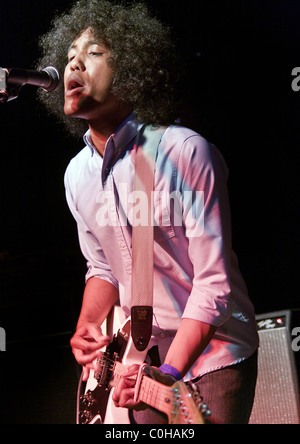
156,395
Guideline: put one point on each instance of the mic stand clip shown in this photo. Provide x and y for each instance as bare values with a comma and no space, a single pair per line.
8,92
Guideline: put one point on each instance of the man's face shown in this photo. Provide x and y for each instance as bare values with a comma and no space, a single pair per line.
88,79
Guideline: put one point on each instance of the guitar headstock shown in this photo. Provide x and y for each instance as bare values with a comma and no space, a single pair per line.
187,405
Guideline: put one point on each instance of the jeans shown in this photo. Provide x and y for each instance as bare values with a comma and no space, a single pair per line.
228,393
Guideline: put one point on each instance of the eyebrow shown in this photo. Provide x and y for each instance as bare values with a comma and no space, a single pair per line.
88,43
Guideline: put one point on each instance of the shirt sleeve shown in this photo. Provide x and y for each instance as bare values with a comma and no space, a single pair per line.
206,218
97,265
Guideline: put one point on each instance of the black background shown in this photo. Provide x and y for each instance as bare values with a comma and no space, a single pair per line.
239,56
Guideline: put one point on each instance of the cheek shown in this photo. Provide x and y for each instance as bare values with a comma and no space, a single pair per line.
103,79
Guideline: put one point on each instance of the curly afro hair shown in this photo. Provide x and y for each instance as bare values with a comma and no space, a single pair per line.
143,58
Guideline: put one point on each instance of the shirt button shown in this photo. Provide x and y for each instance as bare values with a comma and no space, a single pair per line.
162,335
122,245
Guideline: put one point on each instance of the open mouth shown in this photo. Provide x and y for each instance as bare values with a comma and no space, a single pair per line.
74,85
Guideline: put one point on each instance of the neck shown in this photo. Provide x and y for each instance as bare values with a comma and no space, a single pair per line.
102,129
99,139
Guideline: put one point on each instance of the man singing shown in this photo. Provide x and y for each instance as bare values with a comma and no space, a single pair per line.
120,73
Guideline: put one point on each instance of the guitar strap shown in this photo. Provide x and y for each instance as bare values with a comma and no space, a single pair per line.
147,143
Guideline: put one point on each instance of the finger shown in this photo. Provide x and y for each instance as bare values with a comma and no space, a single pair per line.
131,371
122,384
91,332
124,391
126,381
127,398
89,341
85,374
86,345
85,358
122,395
95,332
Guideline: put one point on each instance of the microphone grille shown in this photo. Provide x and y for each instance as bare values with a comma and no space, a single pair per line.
55,83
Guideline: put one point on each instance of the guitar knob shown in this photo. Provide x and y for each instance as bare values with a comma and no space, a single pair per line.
205,411
88,400
86,417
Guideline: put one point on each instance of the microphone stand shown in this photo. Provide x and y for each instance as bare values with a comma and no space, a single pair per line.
8,91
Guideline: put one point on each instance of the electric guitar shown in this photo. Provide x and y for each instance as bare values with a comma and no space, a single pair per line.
181,402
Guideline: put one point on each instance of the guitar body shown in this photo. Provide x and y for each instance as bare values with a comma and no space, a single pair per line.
97,406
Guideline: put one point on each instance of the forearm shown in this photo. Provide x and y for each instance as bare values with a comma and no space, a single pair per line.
190,341
98,299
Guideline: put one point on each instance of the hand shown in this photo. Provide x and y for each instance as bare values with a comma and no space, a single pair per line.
86,345
123,395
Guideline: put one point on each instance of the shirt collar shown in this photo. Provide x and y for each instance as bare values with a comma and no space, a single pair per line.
122,137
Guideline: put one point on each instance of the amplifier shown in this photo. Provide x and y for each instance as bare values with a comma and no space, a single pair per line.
277,391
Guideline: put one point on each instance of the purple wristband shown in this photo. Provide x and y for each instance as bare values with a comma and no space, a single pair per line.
169,370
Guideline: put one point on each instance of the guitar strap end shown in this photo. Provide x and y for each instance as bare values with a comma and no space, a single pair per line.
141,328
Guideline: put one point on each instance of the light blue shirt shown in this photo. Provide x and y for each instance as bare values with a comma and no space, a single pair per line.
196,273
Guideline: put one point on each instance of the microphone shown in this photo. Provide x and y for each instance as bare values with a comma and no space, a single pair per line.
12,80
48,78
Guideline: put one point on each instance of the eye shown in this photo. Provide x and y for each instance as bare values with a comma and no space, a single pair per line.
71,57
95,54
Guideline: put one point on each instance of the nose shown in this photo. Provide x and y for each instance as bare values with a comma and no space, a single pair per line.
77,64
